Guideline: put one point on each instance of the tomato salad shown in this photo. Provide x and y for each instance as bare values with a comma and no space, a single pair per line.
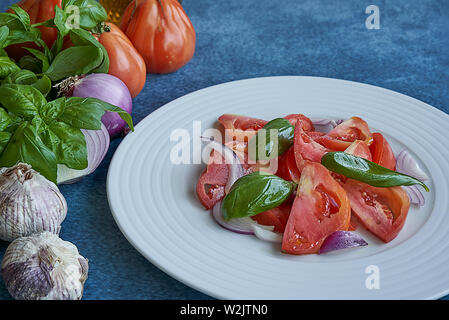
330,177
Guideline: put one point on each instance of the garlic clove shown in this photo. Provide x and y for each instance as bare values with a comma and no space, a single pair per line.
29,203
44,267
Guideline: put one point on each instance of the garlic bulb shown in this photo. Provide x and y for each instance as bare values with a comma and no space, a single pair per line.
44,267
29,203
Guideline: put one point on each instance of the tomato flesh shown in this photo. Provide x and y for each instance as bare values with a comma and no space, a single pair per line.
240,128
381,210
320,208
381,152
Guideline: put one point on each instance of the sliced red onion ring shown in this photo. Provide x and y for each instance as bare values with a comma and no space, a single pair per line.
97,142
325,125
415,195
266,234
406,164
342,240
235,166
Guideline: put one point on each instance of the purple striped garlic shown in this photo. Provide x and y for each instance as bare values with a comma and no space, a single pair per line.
44,267
29,203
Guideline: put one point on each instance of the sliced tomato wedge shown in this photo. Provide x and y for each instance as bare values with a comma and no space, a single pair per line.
240,128
276,217
306,123
345,133
287,168
360,149
381,152
211,185
381,210
306,148
320,208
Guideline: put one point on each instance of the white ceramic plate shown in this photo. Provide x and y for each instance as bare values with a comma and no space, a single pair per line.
155,204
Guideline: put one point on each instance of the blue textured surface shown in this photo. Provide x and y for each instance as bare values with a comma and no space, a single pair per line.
253,38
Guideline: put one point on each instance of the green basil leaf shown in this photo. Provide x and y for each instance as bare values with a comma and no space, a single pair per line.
3,53
43,84
41,57
81,37
366,171
91,13
23,16
60,21
26,146
22,100
4,33
5,119
20,77
4,139
31,63
86,113
7,66
68,144
74,61
54,109
255,193
274,144
12,21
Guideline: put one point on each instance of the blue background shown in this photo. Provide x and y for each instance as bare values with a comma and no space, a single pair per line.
243,39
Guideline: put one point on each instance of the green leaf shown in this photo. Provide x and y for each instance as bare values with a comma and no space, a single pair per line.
5,119
43,84
26,146
81,37
22,15
4,139
41,57
74,61
360,169
275,138
4,32
54,109
22,100
20,77
255,193
7,66
12,21
68,144
91,13
86,113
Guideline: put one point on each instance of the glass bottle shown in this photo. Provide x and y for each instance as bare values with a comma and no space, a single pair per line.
115,9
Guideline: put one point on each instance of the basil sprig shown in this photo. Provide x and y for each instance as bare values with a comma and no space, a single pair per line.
44,134
366,171
255,193
273,146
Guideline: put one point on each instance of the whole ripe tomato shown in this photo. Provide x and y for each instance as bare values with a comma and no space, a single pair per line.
39,11
162,33
381,210
125,61
320,208
381,152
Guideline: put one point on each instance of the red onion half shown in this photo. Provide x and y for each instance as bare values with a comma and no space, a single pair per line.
109,89
342,240
97,142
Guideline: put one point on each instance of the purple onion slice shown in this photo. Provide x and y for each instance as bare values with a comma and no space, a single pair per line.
415,195
342,240
406,164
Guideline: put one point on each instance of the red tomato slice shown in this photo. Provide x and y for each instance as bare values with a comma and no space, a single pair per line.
306,148
360,149
345,133
381,210
276,217
381,152
306,123
287,168
210,186
240,128
320,208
